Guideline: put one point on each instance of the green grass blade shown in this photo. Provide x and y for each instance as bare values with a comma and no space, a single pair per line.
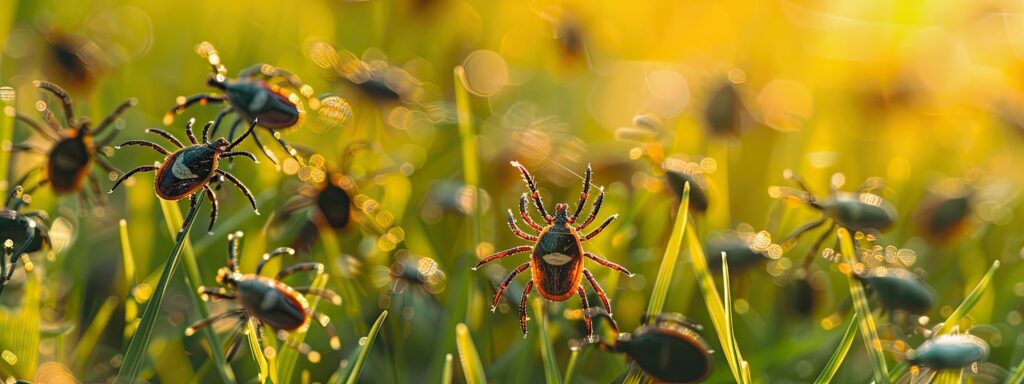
138,348
174,221
949,376
7,111
289,357
19,333
715,306
969,301
364,349
547,351
1017,376
860,304
470,156
446,374
87,343
669,260
839,355
257,351
472,368
575,353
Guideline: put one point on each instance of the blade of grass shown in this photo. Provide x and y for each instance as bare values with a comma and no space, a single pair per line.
87,343
667,268
860,304
669,260
131,309
575,353
715,307
6,127
1017,376
446,374
174,221
257,351
949,376
547,351
472,368
19,335
839,355
288,358
727,291
364,349
138,348
969,301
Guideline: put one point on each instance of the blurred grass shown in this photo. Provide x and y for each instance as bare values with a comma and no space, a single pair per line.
468,357
834,362
860,304
364,349
547,351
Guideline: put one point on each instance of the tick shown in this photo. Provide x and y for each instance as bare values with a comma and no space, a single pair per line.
75,143
188,169
556,261
266,301
23,233
944,215
669,348
857,212
261,91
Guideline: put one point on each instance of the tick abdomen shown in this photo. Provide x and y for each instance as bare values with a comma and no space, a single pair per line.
185,171
69,160
272,302
557,263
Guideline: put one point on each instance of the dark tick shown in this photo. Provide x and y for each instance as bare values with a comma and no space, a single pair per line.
188,169
669,348
21,233
556,262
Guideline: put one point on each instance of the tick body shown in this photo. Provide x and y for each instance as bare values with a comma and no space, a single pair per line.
556,262
900,290
952,351
266,301
941,217
75,143
260,92
669,348
189,169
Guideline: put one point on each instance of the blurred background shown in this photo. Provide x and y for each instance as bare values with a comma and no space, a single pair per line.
925,95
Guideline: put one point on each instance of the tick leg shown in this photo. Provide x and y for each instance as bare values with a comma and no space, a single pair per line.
325,322
522,306
234,242
166,135
207,135
51,133
593,212
65,100
234,126
105,164
809,258
515,228
607,263
790,240
238,183
25,147
287,147
266,150
586,314
272,254
200,98
322,293
144,168
604,298
144,143
504,283
583,195
213,207
191,330
188,131
526,216
301,267
601,228
239,153
4,274
537,202
94,187
248,132
216,293
507,252
236,341
114,115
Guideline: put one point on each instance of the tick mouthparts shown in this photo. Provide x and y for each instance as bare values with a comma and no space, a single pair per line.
493,308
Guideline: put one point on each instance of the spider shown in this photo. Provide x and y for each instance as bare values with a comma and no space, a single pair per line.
264,300
184,171
251,96
70,158
556,262
23,233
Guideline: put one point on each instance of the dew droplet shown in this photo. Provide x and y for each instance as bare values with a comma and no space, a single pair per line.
363,340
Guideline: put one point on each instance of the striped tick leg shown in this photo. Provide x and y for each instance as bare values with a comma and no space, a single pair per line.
502,254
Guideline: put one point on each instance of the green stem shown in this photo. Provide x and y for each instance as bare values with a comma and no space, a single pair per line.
137,348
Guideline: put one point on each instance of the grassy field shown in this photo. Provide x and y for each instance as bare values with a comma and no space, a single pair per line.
416,110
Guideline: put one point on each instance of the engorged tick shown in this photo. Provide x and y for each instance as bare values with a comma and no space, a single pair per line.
556,261
188,169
